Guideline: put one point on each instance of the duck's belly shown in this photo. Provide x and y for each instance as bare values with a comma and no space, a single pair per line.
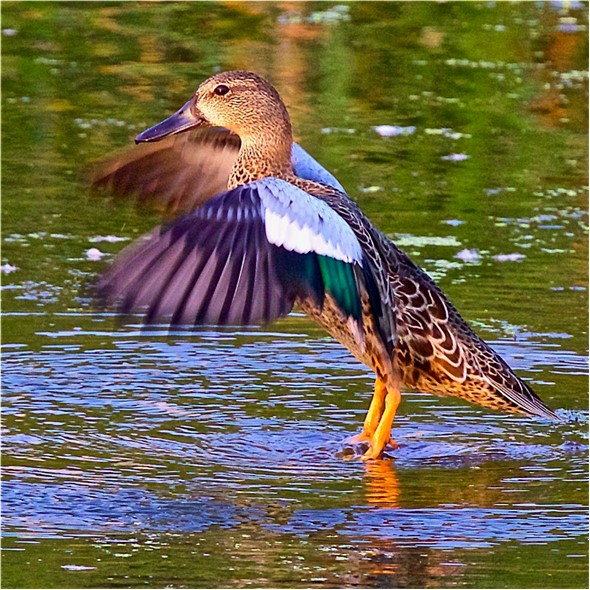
361,343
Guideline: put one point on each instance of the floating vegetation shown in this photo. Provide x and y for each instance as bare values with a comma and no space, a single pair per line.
446,132
393,130
455,157
335,14
370,189
514,257
469,255
406,240
94,254
328,130
111,239
110,122
8,268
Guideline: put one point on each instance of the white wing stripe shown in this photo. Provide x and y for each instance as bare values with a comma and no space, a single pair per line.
282,231
301,223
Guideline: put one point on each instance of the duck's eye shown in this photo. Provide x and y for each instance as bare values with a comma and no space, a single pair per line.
221,90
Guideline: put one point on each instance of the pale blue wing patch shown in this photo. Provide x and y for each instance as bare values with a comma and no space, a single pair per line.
302,223
307,167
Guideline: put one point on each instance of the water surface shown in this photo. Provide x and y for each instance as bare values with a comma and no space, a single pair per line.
218,458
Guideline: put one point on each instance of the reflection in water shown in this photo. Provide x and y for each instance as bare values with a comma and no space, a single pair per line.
215,413
216,459
171,435
382,484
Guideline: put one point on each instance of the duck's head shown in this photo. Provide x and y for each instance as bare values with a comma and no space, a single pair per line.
240,101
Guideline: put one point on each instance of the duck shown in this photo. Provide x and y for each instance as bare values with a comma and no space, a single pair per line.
257,228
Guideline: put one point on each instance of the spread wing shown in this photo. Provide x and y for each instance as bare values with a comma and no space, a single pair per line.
243,258
179,173
175,175
309,168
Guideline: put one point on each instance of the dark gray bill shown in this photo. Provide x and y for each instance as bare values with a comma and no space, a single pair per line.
180,121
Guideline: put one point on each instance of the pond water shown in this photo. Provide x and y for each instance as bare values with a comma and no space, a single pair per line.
217,458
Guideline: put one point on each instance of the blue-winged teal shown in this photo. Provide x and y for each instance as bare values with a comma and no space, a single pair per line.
261,227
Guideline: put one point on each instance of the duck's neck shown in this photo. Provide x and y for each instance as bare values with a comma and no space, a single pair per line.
260,157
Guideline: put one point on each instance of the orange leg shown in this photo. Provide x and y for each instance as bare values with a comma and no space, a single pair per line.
382,434
373,415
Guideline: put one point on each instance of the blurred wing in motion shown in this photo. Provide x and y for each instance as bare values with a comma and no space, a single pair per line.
179,173
243,258
175,175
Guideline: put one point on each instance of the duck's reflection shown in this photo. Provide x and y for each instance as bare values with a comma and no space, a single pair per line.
386,559
382,484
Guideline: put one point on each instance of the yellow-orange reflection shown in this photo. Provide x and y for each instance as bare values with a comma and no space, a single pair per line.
382,484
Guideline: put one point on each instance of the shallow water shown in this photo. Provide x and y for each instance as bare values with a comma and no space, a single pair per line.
217,458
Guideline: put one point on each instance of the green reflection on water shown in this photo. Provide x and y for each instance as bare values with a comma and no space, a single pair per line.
504,84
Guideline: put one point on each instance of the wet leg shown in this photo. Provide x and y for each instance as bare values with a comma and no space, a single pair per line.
373,415
382,434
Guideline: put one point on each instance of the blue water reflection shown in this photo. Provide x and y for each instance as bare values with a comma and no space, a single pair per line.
133,457
153,434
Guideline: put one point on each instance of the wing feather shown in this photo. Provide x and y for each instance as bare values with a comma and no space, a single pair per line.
451,359
217,265
175,175
513,389
179,173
